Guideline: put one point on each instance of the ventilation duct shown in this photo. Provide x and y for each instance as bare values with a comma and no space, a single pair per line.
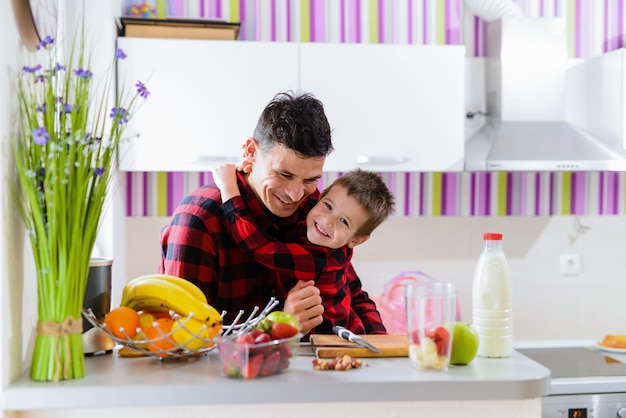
527,105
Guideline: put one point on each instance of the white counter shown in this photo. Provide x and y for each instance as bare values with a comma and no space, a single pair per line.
114,382
584,384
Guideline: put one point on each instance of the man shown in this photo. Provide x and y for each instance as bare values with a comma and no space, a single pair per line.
282,165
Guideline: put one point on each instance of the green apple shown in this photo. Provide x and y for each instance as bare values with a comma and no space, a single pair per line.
464,344
287,318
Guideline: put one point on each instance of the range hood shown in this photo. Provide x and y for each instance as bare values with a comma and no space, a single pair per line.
539,116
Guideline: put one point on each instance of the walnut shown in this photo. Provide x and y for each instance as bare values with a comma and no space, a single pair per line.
338,363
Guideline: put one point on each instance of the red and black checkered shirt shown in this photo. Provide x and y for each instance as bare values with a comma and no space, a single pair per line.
197,245
299,260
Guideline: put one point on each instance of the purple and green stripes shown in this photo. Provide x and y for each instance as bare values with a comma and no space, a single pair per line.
593,26
355,21
431,194
158,194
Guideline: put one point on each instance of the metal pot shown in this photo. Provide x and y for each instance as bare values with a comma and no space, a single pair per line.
98,299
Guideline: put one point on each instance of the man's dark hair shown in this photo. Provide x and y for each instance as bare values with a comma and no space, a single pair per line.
296,121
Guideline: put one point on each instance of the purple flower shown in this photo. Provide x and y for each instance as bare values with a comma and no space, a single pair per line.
68,108
99,171
119,113
31,69
40,78
120,54
142,90
83,73
42,108
58,67
41,136
49,40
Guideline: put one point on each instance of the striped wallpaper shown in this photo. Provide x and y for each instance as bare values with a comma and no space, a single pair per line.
595,27
431,194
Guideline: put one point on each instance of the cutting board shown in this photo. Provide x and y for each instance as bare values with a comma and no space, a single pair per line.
390,345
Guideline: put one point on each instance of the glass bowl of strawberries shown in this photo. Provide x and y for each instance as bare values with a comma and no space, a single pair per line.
264,350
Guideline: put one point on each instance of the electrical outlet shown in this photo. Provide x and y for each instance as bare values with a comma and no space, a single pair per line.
570,264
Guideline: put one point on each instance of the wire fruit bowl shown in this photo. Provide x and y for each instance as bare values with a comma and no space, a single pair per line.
140,343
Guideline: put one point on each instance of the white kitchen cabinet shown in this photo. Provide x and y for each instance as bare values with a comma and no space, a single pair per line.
206,98
391,107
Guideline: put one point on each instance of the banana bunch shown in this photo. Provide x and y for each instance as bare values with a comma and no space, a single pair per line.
162,293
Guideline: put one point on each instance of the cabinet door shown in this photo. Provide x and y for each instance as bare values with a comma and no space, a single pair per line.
391,107
206,98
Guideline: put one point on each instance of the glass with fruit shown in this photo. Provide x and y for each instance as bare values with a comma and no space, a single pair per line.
430,317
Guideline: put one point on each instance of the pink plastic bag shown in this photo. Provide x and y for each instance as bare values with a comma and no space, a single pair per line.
391,303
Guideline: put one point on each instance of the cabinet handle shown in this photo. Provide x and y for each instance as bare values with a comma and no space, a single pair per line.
366,159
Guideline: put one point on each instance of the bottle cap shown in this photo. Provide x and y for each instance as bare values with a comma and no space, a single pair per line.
492,236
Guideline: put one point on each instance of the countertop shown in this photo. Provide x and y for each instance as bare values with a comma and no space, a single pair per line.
136,382
571,385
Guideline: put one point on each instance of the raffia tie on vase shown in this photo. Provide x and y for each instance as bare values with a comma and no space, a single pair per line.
57,330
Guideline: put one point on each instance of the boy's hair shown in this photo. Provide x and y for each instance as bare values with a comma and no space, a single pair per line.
296,121
369,189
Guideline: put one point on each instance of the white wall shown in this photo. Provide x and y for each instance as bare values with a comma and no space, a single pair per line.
10,255
547,305
17,275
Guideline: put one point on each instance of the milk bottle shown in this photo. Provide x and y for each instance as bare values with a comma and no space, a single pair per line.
492,300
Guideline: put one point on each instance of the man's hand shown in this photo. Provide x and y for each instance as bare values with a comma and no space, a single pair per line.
304,302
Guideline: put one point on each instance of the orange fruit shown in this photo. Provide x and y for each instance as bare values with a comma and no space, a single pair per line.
122,320
156,334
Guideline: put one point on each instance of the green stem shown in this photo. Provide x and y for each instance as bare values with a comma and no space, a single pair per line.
45,367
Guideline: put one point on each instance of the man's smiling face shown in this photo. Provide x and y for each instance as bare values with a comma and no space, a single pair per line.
280,178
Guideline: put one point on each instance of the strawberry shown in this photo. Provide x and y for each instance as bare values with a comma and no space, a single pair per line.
440,337
226,367
282,330
270,364
253,367
285,351
263,338
246,338
255,332
236,359
261,345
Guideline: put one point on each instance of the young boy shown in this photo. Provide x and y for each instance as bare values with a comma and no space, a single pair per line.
345,215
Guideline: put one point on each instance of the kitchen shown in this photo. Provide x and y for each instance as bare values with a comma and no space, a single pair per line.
548,305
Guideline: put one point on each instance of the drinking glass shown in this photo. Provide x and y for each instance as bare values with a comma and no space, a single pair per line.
430,316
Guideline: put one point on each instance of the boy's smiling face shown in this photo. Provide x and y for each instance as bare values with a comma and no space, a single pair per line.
335,219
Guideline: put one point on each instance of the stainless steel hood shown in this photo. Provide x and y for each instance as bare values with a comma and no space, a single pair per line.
529,123
539,146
